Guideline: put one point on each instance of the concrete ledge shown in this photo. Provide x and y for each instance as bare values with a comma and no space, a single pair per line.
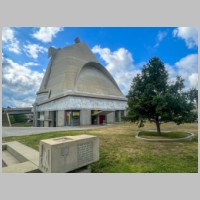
9,159
23,153
25,167
19,158
185,139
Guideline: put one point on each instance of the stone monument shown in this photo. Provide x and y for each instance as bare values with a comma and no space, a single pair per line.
64,154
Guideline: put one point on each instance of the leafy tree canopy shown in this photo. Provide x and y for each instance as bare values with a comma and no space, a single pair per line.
19,118
152,97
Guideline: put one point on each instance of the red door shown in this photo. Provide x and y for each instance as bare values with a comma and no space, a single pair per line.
101,118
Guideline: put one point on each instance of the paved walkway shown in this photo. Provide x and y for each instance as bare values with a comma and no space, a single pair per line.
20,131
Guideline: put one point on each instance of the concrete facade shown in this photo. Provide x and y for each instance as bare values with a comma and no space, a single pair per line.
111,118
85,117
46,116
74,86
60,118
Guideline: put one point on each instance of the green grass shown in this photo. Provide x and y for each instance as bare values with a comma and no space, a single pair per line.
25,124
121,152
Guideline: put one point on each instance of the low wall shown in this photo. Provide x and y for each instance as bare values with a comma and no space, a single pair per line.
185,139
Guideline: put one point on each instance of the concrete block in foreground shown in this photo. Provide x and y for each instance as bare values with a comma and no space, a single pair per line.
64,154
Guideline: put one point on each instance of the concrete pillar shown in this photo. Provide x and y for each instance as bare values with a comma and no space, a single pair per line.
42,119
110,118
120,119
35,116
85,117
46,116
51,117
60,118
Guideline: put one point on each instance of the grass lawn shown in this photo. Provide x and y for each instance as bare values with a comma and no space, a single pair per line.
121,152
25,124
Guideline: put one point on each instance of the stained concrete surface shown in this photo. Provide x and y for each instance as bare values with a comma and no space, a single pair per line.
21,131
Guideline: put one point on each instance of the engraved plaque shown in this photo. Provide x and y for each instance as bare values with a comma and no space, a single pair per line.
85,153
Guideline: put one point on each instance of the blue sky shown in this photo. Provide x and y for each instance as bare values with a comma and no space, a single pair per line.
122,50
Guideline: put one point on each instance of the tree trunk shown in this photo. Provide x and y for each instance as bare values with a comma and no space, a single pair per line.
158,127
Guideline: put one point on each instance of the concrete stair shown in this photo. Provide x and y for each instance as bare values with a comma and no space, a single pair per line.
23,153
25,167
8,158
19,158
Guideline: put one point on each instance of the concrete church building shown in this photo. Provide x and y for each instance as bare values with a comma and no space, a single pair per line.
77,90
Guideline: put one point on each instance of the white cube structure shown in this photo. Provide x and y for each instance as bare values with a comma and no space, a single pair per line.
64,154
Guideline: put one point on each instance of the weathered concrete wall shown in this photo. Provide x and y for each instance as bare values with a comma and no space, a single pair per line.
110,118
118,116
75,102
120,119
76,68
85,117
46,116
60,118
35,114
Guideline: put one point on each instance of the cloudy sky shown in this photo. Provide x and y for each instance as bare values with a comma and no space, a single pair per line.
123,51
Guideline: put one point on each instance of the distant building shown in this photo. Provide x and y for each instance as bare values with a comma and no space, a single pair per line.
77,90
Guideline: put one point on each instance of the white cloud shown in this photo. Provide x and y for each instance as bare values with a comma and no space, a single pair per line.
31,64
188,69
13,102
9,40
161,35
171,71
19,83
46,34
188,63
33,50
193,79
7,34
120,64
189,34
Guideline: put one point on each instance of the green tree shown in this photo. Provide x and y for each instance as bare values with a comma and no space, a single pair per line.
12,119
153,98
193,95
20,118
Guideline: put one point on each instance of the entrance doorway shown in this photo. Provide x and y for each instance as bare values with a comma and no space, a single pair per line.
102,119
99,116
54,118
72,118
94,120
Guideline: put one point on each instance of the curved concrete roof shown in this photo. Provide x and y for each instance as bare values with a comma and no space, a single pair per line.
75,70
